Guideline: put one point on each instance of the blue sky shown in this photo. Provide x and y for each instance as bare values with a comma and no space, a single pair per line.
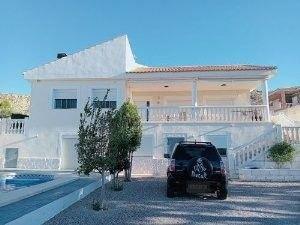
165,32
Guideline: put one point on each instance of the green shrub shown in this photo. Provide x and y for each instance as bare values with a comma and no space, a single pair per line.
5,109
281,153
97,206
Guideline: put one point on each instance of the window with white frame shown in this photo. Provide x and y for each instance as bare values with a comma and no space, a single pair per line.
99,101
147,146
64,98
220,141
172,140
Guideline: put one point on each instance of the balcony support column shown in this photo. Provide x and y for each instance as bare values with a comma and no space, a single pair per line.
265,98
195,93
128,92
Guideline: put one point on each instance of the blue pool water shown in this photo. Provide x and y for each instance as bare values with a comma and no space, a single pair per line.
14,182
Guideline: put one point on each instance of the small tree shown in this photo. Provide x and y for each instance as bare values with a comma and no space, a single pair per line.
5,109
92,148
126,133
281,153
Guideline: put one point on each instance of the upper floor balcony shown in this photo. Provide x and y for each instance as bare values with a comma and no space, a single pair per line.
213,101
217,114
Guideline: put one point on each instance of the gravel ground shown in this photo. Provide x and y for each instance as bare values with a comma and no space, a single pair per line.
143,201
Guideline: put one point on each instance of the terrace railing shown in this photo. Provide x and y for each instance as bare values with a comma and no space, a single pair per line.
291,134
256,113
12,126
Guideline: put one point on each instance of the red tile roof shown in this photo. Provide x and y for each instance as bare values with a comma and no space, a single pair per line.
224,68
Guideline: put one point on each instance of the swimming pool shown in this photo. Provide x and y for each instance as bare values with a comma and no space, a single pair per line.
13,182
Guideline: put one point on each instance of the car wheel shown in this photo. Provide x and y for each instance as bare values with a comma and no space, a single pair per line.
222,193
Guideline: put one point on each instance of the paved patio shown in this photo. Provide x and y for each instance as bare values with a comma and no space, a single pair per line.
143,201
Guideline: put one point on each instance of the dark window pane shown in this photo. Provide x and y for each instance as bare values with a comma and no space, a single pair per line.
64,104
68,103
113,104
105,104
74,103
57,104
171,142
222,151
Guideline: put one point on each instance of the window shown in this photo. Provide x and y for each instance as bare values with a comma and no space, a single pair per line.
11,158
65,104
220,141
105,104
288,98
65,98
147,146
171,142
98,98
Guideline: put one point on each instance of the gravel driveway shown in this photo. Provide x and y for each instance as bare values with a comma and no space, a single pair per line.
143,201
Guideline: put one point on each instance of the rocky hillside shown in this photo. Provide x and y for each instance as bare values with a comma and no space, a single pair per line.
20,103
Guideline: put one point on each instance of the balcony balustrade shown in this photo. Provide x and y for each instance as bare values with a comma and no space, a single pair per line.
257,113
12,126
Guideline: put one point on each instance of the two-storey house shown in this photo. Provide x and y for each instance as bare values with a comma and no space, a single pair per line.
203,103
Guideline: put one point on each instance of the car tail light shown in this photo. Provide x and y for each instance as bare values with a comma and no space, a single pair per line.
171,167
223,170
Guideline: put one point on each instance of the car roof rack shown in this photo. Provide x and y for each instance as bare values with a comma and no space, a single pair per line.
195,142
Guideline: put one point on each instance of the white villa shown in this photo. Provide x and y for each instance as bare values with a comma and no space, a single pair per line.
203,103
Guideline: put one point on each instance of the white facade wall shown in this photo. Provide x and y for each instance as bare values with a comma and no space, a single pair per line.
41,146
154,163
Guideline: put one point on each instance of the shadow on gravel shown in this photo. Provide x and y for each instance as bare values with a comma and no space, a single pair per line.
143,201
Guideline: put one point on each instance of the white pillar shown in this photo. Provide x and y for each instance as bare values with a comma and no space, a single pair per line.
265,97
195,93
128,92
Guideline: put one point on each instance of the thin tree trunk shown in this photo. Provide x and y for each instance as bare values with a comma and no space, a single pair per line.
114,180
102,189
128,171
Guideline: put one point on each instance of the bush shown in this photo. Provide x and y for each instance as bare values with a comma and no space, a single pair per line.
5,109
97,206
281,153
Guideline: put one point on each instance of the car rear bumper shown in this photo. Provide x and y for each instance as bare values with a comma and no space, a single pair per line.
183,183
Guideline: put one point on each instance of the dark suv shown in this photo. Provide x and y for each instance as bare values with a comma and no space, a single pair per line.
196,168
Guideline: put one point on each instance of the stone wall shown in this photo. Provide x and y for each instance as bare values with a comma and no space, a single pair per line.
20,103
270,175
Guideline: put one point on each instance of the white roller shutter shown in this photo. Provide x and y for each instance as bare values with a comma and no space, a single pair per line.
64,94
100,93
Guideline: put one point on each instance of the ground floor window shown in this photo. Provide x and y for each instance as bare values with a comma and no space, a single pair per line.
147,146
172,140
220,141
11,157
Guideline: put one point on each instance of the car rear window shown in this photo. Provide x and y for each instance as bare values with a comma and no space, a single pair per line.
187,152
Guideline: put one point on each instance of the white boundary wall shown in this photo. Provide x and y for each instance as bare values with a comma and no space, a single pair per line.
283,175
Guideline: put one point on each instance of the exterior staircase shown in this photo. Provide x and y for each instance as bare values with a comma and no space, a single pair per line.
254,153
